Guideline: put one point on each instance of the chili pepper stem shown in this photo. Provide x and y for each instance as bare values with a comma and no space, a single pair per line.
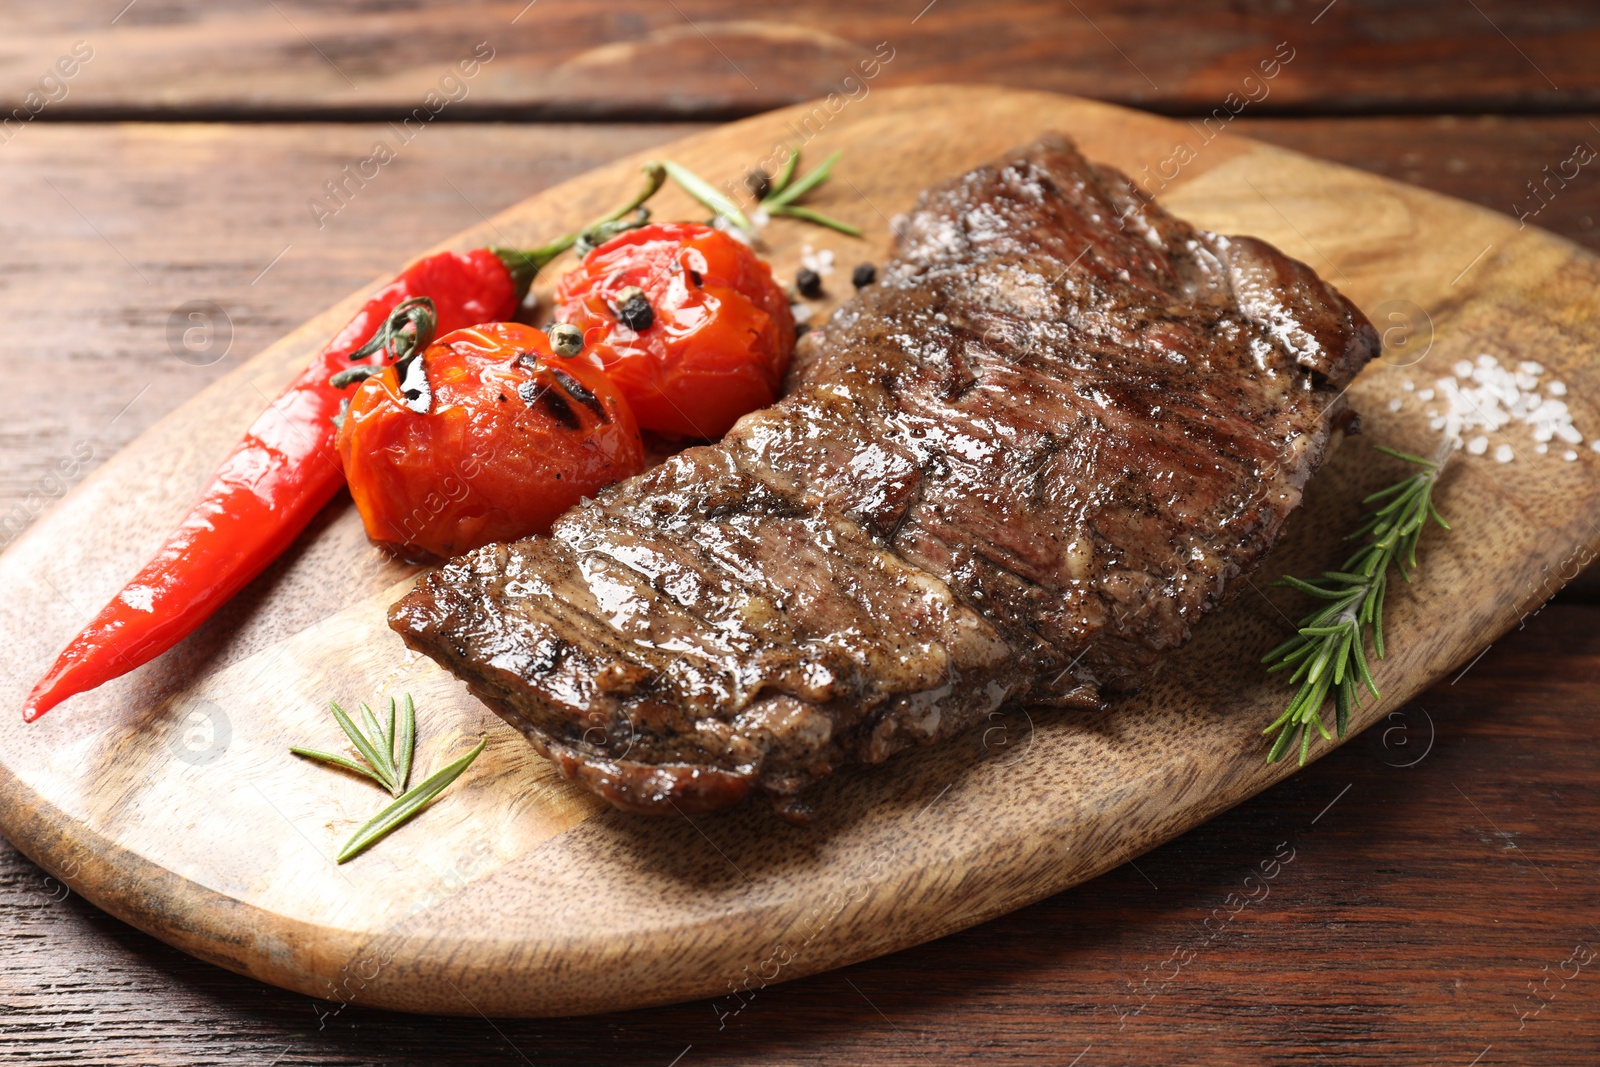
525,264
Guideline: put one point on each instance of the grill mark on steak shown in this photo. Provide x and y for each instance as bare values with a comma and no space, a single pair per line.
1019,468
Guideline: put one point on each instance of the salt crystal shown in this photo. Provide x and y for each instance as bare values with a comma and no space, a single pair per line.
1408,385
1541,448
819,261
1463,368
1527,366
1569,455
1424,394
1478,445
1486,360
1503,454
1595,444
1556,389
1394,405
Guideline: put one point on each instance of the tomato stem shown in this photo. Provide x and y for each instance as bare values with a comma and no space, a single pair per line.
524,265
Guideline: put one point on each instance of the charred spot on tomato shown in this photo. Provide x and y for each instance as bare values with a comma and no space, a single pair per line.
576,390
528,359
558,408
696,278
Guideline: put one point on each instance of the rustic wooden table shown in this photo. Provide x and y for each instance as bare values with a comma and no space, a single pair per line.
1441,905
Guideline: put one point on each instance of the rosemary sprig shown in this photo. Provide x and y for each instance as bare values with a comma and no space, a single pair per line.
395,815
387,752
805,214
780,198
1327,655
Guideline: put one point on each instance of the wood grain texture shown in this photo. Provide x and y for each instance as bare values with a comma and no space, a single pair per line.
106,792
1406,930
702,58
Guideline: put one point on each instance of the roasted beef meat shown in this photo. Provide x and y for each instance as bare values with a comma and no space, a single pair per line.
1060,428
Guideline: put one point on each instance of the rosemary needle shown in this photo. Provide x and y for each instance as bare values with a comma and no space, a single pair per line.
338,761
786,175
706,193
408,740
795,211
1328,653
395,815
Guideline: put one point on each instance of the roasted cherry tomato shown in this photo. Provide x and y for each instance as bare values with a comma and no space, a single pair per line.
511,436
708,337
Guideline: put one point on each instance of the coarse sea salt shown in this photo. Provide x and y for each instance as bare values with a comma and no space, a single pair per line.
1484,395
819,261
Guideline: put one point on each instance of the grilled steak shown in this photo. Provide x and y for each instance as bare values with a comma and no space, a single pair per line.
1017,469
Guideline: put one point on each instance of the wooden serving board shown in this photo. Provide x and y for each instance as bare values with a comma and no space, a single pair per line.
169,798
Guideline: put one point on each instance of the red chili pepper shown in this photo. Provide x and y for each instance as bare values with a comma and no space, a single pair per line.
285,469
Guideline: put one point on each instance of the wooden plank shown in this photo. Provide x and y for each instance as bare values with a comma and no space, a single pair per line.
1489,160
699,59
1407,929
560,914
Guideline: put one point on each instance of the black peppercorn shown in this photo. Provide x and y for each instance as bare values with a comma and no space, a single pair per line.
864,275
633,310
809,283
759,182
